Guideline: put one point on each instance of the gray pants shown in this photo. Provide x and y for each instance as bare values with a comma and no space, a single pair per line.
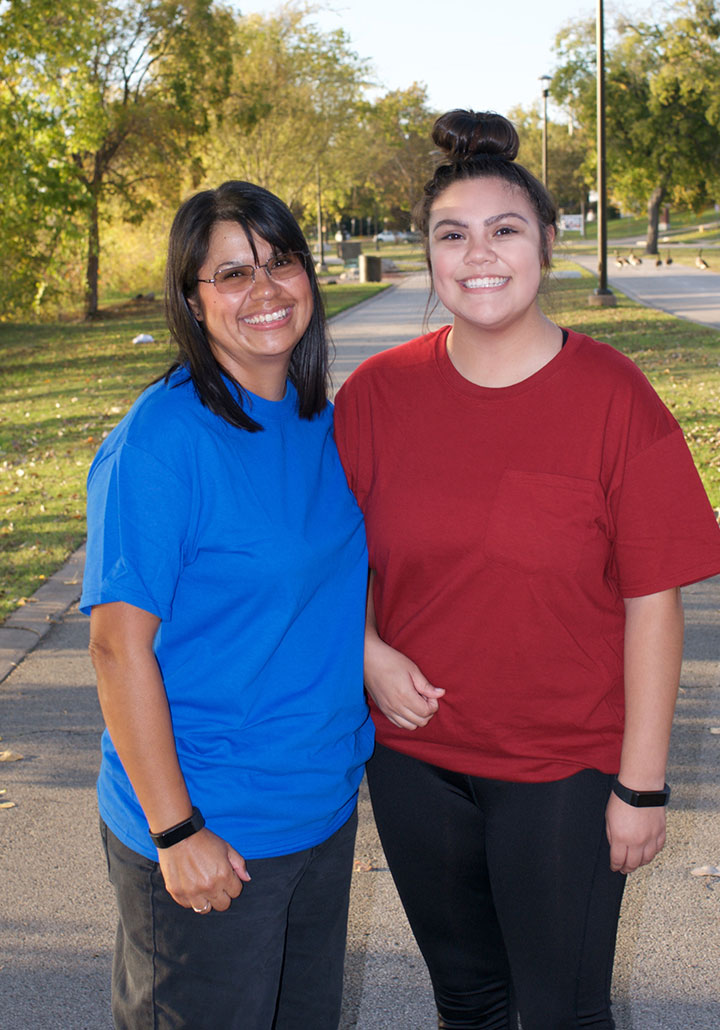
272,961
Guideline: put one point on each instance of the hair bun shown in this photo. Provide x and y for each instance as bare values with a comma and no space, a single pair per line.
462,134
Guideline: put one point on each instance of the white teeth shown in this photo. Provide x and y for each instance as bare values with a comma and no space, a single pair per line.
485,283
274,316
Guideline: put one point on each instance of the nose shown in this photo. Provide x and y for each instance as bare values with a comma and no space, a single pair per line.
479,249
262,281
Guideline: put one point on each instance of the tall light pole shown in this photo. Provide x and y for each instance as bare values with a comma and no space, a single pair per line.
321,266
603,296
546,80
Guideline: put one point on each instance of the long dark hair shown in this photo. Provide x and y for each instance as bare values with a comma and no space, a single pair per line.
257,211
483,145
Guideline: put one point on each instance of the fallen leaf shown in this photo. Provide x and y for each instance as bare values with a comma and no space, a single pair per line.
10,756
706,870
7,804
715,729
364,867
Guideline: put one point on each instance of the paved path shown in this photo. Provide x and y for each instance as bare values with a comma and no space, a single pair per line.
681,290
57,914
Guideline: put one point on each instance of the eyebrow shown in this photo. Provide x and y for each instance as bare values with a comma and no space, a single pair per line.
488,221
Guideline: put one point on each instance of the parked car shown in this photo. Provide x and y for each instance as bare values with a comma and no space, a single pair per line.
385,237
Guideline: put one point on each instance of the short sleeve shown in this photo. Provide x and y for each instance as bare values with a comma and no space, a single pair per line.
138,516
347,437
667,534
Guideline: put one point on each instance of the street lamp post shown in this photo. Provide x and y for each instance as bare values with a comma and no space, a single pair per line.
546,80
321,266
603,295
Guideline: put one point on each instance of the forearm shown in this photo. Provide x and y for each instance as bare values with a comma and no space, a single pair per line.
201,871
136,712
395,683
653,657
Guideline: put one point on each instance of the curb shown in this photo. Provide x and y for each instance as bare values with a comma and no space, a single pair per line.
24,628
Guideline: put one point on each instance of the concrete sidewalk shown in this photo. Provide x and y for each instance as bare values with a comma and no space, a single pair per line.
57,927
680,290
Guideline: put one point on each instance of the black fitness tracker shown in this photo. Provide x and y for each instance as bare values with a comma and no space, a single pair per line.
175,834
641,798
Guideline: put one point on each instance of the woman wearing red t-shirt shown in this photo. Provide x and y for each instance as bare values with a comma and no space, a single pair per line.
532,510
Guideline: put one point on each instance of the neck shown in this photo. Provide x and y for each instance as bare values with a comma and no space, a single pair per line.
503,357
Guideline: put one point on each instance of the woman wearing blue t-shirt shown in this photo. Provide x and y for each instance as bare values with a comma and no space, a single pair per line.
225,578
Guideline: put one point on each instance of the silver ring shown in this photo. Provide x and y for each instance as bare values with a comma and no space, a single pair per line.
202,911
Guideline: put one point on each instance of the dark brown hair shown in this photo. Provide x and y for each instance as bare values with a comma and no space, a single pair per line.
484,145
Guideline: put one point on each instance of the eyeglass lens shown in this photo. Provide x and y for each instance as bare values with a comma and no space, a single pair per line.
240,277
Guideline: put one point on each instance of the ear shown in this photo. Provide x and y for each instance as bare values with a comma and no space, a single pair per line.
194,306
549,244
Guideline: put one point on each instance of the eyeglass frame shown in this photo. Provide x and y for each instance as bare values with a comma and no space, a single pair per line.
256,268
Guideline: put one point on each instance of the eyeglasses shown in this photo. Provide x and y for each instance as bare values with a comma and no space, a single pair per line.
237,278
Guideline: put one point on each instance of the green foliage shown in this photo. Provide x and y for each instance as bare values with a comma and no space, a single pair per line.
393,147
292,104
662,105
100,101
567,153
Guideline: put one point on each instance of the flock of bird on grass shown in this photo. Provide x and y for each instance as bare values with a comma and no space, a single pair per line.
633,259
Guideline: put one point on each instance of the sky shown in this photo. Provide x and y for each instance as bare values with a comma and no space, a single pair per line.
469,53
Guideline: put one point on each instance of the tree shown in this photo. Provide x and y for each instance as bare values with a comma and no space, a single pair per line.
291,109
103,98
568,177
662,110
397,138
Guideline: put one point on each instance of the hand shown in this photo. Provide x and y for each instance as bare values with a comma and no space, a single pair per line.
203,868
397,686
636,835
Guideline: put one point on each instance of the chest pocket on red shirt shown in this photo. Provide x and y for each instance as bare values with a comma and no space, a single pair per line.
543,522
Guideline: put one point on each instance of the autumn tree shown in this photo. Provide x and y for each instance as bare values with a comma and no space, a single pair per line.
662,105
568,177
398,129
292,106
101,99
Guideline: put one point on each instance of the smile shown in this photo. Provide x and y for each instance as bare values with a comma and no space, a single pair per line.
486,283
274,316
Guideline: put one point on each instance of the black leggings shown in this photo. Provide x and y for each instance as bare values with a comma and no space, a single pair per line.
508,890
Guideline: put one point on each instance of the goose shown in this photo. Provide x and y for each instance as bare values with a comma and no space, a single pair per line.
700,261
634,259
619,261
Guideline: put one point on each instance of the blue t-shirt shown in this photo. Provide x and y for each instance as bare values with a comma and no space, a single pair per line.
251,550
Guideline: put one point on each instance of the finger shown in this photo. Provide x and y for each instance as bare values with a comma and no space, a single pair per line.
427,690
618,857
240,868
221,902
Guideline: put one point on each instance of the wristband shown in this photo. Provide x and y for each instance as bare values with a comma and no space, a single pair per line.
179,832
641,798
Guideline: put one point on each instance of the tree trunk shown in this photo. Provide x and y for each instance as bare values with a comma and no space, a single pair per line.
93,260
654,203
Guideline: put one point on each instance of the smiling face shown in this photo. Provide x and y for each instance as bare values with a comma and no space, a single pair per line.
254,332
485,247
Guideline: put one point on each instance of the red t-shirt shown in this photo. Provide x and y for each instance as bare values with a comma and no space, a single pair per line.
505,527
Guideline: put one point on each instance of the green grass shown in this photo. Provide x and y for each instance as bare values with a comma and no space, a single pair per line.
681,359
63,386
684,226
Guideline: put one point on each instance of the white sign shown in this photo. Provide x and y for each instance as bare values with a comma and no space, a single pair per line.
571,223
